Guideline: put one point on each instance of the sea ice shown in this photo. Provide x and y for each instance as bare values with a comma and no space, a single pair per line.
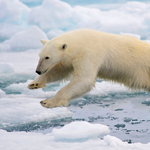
32,3
22,25
24,40
79,130
13,18
38,141
6,68
50,15
12,11
2,93
21,110
18,18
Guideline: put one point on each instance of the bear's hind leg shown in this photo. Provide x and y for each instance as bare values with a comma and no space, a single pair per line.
51,103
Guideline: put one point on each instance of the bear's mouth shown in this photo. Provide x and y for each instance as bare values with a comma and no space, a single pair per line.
44,71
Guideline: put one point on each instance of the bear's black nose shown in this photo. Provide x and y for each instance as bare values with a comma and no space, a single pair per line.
38,72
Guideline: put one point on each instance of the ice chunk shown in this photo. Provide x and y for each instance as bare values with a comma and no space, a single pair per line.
24,62
106,87
53,33
13,11
13,18
22,89
29,1
8,30
79,130
32,3
146,102
133,7
18,110
38,141
48,19
136,19
51,20
50,16
113,141
6,68
2,93
24,40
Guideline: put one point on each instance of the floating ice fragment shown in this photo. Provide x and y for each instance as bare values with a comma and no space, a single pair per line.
79,130
147,102
148,99
38,141
113,141
23,111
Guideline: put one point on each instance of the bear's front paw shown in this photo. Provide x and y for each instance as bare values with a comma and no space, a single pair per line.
35,85
53,103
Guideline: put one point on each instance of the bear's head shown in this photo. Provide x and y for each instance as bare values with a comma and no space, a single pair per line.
51,53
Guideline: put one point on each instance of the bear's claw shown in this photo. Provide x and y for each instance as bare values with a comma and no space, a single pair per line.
35,86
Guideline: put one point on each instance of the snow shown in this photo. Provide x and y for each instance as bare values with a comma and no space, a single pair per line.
32,3
47,20
50,15
22,88
24,40
13,18
22,110
2,93
106,87
86,17
12,11
37,141
79,130
23,62
6,68
4,27
29,1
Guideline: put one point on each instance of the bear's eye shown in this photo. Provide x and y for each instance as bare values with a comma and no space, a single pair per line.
46,57
64,46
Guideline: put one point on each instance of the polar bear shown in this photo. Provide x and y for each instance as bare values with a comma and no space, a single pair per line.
86,54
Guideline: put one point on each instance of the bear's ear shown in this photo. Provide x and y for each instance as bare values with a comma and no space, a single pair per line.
43,41
63,46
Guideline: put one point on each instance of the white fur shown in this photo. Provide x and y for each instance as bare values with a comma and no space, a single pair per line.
89,54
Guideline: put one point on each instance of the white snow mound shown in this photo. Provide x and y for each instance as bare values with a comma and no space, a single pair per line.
80,130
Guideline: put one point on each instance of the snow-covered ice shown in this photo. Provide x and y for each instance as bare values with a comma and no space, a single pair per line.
6,68
25,40
79,130
108,104
109,117
61,139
